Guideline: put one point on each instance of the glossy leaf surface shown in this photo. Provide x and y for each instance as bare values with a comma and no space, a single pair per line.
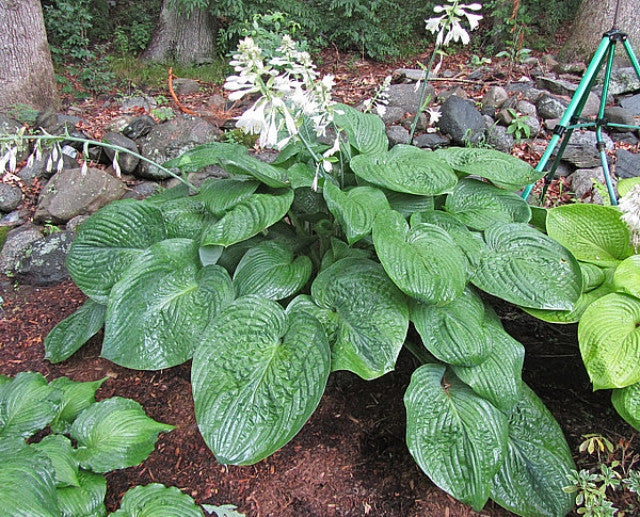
366,131
156,500
86,500
59,450
74,398
627,403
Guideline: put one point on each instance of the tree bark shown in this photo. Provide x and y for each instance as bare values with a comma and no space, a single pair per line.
182,38
26,71
593,19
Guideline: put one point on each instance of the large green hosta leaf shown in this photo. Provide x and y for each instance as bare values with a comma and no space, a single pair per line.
609,337
27,486
499,377
186,218
626,278
406,169
115,434
593,233
457,438
27,404
74,331
75,397
161,306
156,500
530,480
365,316
527,268
270,270
248,218
627,404
408,204
85,500
257,376
454,333
234,158
365,131
220,195
108,242
59,450
355,209
480,205
503,170
423,261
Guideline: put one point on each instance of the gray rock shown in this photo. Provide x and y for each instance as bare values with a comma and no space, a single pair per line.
9,125
70,193
624,80
18,240
118,124
198,178
462,121
495,97
625,138
498,138
407,97
534,125
139,127
582,184
631,104
526,108
126,161
397,135
551,107
73,224
457,91
130,104
15,218
142,190
43,263
627,164
421,124
619,115
10,197
504,116
172,139
557,86
582,152
185,86
431,141
411,74
34,170
393,115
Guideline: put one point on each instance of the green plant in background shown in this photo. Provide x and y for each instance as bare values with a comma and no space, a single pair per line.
163,113
518,126
319,261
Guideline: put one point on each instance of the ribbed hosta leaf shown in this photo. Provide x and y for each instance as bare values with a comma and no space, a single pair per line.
339,250
454,333
270,270
74,331
626,278
406,169
424,262
27,404
108,241
609,337
248,218
156,500
59,450
234,158
75,397
527,268
27,486
503,170
186,218
627,404
364,313
499,377
530,480
408,204
161,306
457,438
86,500
257,376
365,131
115,434
480,205
355,209
593,233
220,195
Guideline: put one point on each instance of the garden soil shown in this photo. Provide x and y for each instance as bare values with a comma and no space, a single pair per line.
350,459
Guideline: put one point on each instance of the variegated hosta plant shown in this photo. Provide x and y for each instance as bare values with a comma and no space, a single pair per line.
283,272
605,241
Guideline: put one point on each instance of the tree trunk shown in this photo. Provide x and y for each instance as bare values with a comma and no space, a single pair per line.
594,18
26,71
182,38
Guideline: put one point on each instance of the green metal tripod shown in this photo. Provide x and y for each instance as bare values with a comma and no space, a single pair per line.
571,121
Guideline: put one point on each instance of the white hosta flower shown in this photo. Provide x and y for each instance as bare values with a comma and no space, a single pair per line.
630,207
448,25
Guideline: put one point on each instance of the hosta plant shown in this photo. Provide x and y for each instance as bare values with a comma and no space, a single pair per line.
283,272
61,474
605,240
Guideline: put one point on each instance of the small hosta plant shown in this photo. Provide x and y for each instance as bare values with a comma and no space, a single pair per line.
284,272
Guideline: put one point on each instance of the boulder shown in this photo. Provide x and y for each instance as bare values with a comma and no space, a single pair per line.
139,127
619,115
582,184
462,121
431,141
18,240
627,164
126,161
43,262
582,152
498,138
624,80
185,86
70,193
397,135
550,107
407,96
10,197
632,105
